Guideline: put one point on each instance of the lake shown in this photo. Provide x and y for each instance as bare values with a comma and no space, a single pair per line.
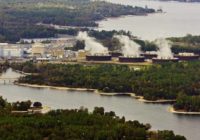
180,19
155,114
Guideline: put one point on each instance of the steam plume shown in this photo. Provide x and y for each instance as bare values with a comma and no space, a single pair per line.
91,44
164,47
129,48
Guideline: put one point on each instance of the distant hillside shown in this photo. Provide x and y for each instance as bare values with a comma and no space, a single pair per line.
18,18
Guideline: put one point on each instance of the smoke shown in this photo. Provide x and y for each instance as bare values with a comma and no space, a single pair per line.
129,47
164,47
91,44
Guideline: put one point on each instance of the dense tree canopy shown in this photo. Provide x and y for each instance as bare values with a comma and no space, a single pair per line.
188,103
188,43
154,82
20,18
74,124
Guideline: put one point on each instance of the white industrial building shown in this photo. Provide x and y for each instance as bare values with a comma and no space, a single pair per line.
11,51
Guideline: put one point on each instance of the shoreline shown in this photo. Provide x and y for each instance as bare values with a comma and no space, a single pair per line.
181,112
23,73
54,87
133,95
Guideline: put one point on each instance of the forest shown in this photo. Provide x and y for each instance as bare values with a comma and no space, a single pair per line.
19,18
187,103
155,82
79,124
188,43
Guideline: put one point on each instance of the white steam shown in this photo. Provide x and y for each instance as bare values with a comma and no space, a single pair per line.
91,45
164,47
129,47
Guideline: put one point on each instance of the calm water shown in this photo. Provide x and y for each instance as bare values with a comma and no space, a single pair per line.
132,109
179,20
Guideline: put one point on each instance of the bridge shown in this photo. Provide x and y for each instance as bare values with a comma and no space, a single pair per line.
7,80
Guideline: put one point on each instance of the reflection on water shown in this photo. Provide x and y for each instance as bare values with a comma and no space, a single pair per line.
154,114
179,20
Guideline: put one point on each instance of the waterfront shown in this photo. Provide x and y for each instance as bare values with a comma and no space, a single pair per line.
180,19
155,114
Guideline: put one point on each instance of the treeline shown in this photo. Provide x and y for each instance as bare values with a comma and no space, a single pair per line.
154,82
6,108
105,38
4,66
109,41
187,103
188,43
182,44
76,124
18,18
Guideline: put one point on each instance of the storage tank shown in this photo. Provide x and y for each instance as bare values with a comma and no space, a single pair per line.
164,60
149,54
131,59
99,57
187,56
115,54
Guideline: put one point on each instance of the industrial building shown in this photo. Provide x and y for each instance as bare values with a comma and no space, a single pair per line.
9,51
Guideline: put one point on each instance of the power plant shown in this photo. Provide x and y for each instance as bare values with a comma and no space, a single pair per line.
130,51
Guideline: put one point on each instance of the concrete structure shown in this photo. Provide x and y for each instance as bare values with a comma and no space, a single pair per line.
70,54
81,54
9,51
56,52
67,41
39,50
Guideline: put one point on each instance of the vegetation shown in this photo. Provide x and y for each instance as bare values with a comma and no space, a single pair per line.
20,18
4,66
21,106
188,43
155,82
187,103
76,124
104,37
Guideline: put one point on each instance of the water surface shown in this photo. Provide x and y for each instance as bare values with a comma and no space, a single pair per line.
180,19
156,115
